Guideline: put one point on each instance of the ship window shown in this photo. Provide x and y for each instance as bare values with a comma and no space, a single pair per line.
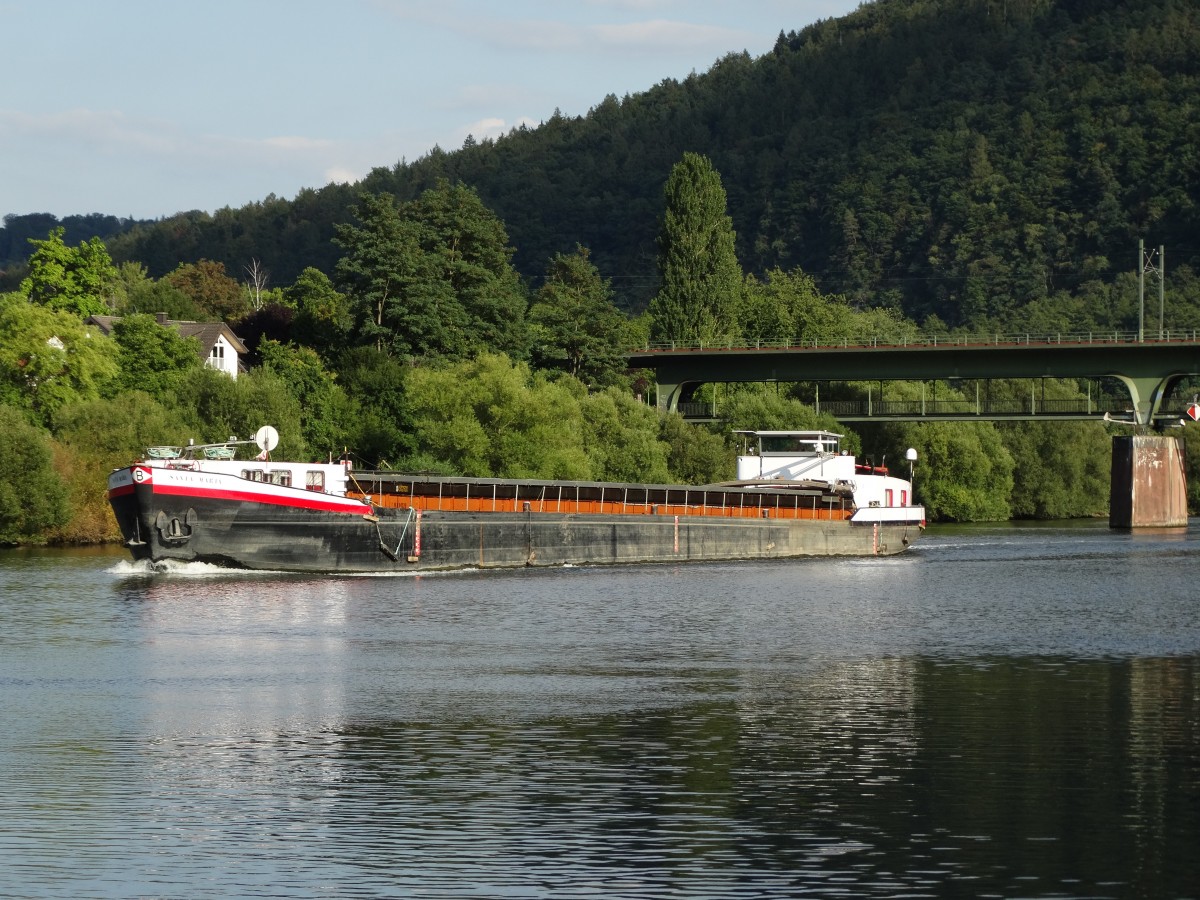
887,497
904,498
282,478
314,480
252,474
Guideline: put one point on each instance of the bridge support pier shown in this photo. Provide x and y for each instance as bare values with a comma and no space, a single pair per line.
1147,489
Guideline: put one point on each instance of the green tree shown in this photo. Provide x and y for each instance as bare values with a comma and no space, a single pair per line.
1191,462
772,407
96,436
574,325
33,499
964,472
49,358
695,455
701,278
398,303
622,439
323,318
76,280
468,247
223,408
136,292
325,410
153,358
381,432
1060,469
207,285
492,417
789,307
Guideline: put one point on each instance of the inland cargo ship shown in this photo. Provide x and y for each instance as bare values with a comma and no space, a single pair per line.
796,494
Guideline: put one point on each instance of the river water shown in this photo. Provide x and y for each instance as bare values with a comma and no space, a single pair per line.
1001,712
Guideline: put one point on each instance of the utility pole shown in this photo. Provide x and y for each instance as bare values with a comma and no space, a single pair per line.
1141,287
1162,275
1150,262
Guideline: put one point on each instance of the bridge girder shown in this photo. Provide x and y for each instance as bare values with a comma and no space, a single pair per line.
1148,370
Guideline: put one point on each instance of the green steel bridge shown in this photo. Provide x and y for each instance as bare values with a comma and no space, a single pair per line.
1130,378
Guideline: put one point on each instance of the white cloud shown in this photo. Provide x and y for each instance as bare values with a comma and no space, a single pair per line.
494,127
342,175
663,34
565,34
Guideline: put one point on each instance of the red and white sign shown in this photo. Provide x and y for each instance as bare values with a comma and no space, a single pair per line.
1193,412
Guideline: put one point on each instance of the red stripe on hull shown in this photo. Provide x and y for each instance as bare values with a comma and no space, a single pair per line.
303,500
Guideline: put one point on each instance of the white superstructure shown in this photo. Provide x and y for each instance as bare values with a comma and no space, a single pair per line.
816,457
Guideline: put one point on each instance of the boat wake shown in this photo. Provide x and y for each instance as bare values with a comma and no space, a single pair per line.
144,567
177,569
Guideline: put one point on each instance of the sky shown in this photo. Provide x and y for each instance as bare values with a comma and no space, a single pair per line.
145,108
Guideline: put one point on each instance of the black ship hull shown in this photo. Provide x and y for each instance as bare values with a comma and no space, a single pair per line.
248,534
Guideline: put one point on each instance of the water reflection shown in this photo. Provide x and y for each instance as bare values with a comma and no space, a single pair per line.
1005,713
1010,777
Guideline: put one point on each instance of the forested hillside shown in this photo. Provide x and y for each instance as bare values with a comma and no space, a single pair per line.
971,159
18,230
921,164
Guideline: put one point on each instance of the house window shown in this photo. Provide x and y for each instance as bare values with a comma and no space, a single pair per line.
217,355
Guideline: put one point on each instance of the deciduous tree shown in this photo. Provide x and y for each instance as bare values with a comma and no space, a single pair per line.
621,437
76,280
322,317
325,410
49,358
489,416
152,358
212,290
33,498
469,250
398,303
574,325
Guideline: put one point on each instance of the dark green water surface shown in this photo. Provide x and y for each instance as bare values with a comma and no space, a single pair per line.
1002,712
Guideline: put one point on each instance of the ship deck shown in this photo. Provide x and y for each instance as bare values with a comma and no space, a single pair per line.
445,494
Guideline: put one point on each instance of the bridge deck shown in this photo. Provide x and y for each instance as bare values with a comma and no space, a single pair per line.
1148,369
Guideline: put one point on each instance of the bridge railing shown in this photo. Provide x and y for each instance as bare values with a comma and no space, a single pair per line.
1094,406
1015,339
868,408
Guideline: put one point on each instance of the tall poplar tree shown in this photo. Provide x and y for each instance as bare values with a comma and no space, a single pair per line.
701,277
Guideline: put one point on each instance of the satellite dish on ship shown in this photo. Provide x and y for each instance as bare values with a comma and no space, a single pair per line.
267,438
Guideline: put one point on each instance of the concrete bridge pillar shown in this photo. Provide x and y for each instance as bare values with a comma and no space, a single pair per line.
1147,489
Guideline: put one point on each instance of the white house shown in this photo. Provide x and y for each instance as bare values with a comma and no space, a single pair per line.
220,348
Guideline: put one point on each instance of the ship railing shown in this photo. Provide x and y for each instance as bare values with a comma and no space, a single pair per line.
608,499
